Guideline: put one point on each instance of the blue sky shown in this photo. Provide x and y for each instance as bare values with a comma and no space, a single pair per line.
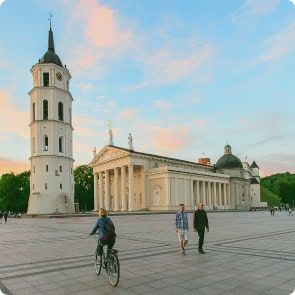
184,77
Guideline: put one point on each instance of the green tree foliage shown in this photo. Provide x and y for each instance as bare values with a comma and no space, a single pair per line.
283,185
83,176
15,191
269,197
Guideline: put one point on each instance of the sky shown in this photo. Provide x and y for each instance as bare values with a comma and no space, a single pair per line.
183,77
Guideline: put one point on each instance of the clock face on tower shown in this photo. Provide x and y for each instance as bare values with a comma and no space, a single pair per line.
58,76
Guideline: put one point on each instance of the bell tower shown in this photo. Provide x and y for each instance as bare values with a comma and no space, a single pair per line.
51,134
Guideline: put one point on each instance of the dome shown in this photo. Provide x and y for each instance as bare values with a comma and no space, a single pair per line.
50,56
228,160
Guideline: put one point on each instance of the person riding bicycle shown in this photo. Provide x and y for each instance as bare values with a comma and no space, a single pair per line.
106,231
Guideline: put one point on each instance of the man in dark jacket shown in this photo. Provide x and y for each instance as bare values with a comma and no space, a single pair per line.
200,223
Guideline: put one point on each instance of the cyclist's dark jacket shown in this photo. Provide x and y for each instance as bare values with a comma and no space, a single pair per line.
100,226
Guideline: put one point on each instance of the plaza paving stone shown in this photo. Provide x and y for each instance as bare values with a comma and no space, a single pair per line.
246,253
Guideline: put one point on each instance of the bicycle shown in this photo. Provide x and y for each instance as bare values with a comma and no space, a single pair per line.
109,262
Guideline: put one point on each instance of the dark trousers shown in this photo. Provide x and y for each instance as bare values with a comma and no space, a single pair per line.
201,233
102,243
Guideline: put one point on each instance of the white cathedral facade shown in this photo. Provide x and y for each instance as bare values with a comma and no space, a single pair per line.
128,180
51,132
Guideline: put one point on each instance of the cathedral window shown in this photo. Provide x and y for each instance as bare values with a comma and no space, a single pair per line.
60,185
33,186
60,111
45,109
45,148
60,144
34,112
60,168
46,185
34,170
70,115
45,79
46,168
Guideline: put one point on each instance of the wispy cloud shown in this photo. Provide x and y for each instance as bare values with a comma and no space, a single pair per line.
168,65
261,7
280,45
127,114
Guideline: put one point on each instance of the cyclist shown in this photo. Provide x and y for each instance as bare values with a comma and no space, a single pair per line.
106,231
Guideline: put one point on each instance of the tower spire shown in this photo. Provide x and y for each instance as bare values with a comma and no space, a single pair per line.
50,35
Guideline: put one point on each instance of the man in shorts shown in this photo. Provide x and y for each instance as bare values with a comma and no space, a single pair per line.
181,222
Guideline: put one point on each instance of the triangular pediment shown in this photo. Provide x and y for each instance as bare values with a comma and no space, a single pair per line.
108,153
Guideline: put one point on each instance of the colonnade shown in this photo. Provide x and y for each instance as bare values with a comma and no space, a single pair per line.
123,196
211,193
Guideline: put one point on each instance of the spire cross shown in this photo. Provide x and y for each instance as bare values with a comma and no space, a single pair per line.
50,18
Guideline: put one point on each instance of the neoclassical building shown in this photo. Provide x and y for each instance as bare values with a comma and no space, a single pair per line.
128,180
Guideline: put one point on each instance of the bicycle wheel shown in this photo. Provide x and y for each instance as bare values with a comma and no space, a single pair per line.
113,269
98,263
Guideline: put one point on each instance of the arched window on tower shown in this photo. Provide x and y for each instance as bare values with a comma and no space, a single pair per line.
60,144
45,109
34,118
60,111
70,115
45,143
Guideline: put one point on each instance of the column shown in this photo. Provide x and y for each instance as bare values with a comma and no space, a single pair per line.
131,188
192,194
95,191
224,191
143,201
123,189
219,195
198,199
204,193
101,196
116,189
214,194
107,190
209,193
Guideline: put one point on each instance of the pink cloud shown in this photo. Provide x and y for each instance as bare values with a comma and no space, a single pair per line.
8,112
169,140
8,166
127,114
104,35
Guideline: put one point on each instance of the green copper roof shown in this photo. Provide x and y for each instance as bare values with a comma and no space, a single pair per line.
228,160
50,56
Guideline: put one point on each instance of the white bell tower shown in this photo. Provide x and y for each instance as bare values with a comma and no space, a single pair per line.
51,134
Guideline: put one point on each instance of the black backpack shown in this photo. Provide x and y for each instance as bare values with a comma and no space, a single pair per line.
109,229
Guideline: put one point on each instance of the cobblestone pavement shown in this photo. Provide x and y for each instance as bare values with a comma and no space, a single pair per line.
246,253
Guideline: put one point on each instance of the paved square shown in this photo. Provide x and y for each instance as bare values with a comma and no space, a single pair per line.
246,253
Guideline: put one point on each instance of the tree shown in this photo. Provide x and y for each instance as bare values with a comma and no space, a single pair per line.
84,193
14,191
282,184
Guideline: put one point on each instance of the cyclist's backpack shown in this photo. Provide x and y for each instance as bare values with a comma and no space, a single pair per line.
109,231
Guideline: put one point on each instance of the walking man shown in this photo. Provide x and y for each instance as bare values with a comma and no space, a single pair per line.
181,222
200,223
5,214
290,211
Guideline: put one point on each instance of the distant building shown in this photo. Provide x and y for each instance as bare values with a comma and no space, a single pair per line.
51,133
128,180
